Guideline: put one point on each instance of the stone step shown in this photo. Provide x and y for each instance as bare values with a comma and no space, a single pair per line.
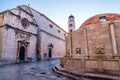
65,74
87,75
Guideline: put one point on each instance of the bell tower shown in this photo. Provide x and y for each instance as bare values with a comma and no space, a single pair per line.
71,23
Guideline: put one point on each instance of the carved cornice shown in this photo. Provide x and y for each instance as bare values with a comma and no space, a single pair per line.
15,14
24,42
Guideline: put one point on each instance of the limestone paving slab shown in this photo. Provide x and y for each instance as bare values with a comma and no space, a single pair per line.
30,71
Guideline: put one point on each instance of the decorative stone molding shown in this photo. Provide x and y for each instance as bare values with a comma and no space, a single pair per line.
20,44
24,42
20,34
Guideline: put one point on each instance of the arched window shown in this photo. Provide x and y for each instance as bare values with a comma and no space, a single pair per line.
103,19
51,26
70,30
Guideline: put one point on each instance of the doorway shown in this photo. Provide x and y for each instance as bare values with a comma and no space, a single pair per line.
22,53
50,53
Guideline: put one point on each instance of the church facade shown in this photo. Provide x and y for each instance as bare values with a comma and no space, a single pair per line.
95,46
51,39
28,34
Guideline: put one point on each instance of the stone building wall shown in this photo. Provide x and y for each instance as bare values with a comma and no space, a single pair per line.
78,43
10,45
99,36
15,35
49,33
32,47
58,49
2,32
94,48
117,35
2,39
41,34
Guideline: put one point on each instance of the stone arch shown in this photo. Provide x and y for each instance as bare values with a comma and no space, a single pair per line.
22,53
50,50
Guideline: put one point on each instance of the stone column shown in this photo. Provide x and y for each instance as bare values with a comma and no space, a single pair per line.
85,38
25,57
17,54
113,38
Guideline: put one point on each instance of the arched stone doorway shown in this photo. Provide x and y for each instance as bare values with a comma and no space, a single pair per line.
50,53
50,50
22,53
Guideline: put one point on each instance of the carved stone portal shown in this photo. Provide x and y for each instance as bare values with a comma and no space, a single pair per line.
22,43
23,35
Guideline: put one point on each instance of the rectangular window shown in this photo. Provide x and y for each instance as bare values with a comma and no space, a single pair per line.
58,31
50,25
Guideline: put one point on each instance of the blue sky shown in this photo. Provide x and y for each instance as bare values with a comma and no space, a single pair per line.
59,10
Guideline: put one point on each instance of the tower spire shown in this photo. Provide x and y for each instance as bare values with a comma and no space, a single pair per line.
71,23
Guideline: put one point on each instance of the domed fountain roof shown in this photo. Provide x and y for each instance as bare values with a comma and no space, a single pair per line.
96,19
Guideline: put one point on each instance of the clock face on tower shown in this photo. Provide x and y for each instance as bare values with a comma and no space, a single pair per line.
25,23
